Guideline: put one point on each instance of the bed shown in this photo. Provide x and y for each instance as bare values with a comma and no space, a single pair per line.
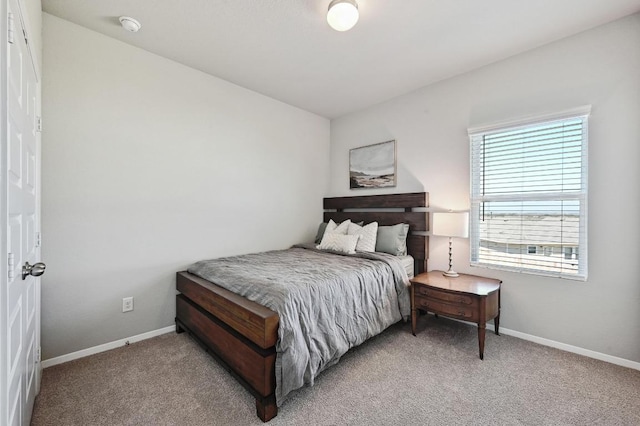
243,335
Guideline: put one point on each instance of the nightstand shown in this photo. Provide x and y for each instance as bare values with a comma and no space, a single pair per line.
467,297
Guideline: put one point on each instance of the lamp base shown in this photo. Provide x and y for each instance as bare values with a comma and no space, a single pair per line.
451,273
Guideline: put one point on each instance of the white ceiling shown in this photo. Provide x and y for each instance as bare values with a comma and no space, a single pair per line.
286,50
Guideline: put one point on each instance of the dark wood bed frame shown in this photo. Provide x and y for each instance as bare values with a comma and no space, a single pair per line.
242,334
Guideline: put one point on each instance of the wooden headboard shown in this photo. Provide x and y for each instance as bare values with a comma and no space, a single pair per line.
417,245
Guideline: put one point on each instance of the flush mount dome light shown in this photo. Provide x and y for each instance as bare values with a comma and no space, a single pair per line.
130,24
343,14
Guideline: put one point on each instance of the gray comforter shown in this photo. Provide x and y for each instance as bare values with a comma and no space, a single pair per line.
327,302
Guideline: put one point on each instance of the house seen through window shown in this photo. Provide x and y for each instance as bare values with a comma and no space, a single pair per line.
529,194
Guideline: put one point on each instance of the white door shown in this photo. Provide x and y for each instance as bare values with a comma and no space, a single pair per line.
20,292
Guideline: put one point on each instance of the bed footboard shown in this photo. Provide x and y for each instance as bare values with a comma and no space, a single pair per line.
239,333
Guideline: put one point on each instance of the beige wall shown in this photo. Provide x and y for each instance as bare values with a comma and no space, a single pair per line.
600,67
149,166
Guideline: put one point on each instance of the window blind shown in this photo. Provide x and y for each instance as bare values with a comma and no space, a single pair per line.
528,196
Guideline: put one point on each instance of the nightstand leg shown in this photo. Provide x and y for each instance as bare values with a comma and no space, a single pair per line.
413,321
413,309
496,321
481,333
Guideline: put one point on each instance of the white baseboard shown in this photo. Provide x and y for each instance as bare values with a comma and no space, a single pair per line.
546,342
106,346
569,348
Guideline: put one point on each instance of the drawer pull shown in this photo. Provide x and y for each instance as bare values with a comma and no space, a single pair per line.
445,297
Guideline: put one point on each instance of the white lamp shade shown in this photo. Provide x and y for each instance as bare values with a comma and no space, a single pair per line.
343,14
451,224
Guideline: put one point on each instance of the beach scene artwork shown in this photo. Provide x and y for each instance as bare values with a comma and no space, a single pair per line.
373,166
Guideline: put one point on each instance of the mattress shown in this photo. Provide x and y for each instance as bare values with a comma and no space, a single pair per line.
408,263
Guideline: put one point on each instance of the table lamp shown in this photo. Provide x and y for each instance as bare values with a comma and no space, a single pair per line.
451,225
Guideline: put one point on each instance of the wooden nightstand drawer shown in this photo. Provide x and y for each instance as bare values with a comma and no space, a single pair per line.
457,311
447,297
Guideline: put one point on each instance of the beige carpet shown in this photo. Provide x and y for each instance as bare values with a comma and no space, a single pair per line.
435,378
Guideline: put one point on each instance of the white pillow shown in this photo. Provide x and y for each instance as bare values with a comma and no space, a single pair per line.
339,242
332,228
368,235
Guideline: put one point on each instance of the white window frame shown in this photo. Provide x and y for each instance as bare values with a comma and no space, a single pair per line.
582,196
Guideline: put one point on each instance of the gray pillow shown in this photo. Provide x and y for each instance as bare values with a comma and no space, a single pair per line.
320,233
393,239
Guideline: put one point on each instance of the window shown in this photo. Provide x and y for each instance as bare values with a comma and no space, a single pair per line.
529,190
570,253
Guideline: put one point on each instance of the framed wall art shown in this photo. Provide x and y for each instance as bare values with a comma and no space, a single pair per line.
373,166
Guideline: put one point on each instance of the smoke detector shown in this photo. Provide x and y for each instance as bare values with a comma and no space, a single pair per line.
130,24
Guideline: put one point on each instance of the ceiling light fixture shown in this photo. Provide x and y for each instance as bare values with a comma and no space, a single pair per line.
343,14
130,24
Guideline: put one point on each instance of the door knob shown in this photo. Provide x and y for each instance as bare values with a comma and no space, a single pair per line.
35,270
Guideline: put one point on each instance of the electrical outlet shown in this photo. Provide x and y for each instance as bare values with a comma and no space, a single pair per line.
127,304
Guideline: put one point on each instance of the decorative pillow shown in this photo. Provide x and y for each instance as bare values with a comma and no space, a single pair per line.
368,235
393,239
339,242
332,227
323,227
